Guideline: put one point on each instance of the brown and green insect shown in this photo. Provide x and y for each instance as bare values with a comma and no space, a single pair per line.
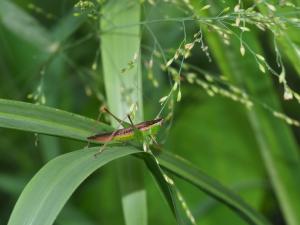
143,131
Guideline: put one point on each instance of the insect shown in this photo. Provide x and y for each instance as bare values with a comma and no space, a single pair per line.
143,132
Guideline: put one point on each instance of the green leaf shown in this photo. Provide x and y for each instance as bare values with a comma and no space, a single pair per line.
62,124
122,78
278,148
170,191
120,50
46,120
47,192
188,172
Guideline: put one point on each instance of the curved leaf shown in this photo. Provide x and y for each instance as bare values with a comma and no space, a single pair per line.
65,124
188,172
47,192
47,120
117,50
277,145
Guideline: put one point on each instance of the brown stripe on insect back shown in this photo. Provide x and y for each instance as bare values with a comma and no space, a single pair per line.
142,125
116,133
149,123
124,131
100,135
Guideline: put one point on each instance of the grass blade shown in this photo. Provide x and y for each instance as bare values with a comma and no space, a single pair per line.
122,78
47,192
188,172
276,143
47,120
179,208
65,124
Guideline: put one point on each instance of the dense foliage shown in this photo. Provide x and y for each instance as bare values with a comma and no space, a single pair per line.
224,76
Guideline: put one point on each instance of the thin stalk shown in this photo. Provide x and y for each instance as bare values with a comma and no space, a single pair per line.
276,144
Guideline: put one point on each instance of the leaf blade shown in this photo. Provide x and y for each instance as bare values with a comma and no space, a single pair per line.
118,50
46,120
45,195
74,120
182,168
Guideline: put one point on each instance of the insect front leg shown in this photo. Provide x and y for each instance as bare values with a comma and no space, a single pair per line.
153,139
145,146
102,148
147,140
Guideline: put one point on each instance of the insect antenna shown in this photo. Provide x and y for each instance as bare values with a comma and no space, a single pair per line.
105,110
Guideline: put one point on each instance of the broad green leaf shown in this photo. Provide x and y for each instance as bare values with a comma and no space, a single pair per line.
120,53
63,124
47,192
188,172
27,28
46,120
179,210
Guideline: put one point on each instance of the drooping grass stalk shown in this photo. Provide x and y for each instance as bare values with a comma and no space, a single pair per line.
120,51
277,145
285,36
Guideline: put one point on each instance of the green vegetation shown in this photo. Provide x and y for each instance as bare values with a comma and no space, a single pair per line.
224,76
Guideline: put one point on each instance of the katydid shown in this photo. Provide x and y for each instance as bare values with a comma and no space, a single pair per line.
141,131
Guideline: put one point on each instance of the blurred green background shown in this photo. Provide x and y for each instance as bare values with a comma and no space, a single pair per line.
48,53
